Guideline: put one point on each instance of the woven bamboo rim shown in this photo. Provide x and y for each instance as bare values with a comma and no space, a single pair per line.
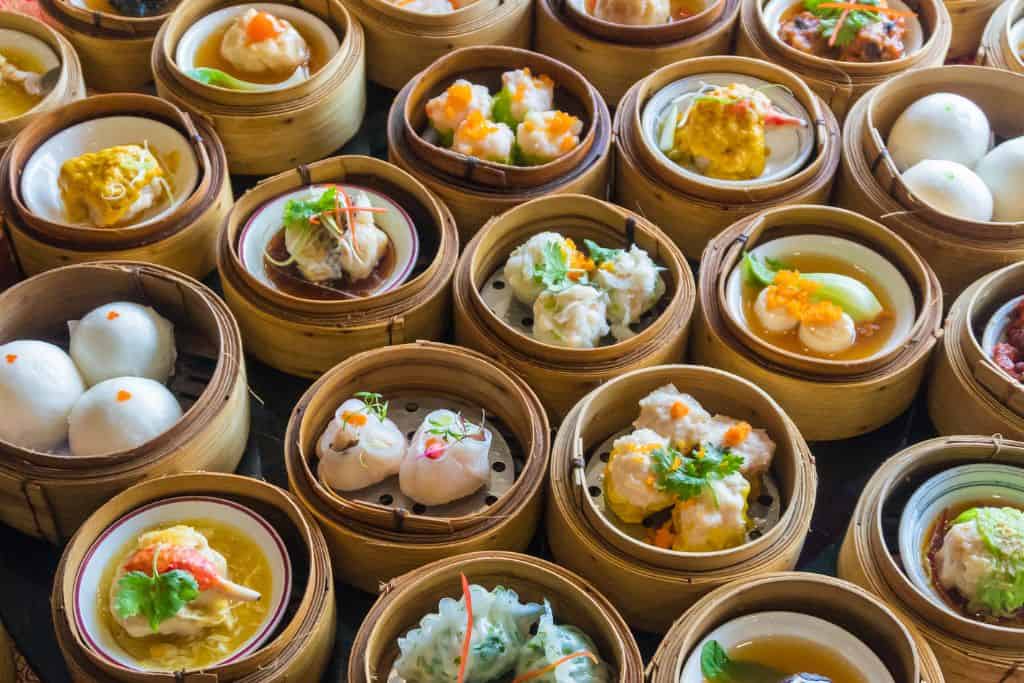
299,650
996,50
967,650
406,599
898,645
649,585
48,494
8,673
969,18
676,29
562,376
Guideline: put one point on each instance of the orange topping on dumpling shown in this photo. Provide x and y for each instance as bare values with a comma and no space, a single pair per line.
123,396
10,358
679,410
476,127
262,27
793,293
113,315
736,434
821,313
561,123
459,97
357,419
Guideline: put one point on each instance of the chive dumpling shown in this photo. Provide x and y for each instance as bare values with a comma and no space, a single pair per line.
567,651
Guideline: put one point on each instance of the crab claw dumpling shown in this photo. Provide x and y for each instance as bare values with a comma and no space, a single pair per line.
753,445
363,244
450,108
258,42
714,520
525,265
632,12
574,317
633,284
39,386
678,417
525,93
360,446
121,413
446,460
545,136
123,339
483,139
629,485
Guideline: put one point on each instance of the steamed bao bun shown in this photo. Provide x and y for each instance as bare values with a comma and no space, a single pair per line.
1002,169
39,386
951,188
940,126
121,413
123,339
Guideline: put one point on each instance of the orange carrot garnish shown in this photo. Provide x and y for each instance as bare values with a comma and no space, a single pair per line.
350,215
839,25
866,8
537,673
123,396
469,628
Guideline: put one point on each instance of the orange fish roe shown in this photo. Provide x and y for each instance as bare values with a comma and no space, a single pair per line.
113,315
663,536
679,410
821,313
123,396
10,358
634,448
459,97
793,293
262,27
579,263
357,419
476,127
736,434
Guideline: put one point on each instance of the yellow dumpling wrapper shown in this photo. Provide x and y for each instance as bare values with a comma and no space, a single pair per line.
112,185
715,520
629,485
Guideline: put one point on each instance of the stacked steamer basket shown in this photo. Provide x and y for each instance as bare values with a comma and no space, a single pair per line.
407,599
303,332
476,190
650,584
179,232
970,20
648,182
842,83
873,388
614,56
959,250
488,317
297,648
1002,45
49,494
379,532
306,119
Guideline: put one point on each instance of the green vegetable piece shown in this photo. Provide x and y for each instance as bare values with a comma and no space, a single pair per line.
1001,590
713,660
218,78
853,296
758,271
687,476
158,597
599,254
501,109
667,135
716,666
553,272
1003,531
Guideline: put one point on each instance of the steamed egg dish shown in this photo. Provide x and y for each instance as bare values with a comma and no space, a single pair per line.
113,186
123,339
39,385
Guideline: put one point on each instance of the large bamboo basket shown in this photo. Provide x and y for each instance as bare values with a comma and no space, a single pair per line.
477,190
268,132
373,542
967,650
841,84
959,251
562,376
408,598
871,393
306,337
897,644
651,586
8,673
652,185
185,239
969,18
48,495
996,48
299,649
614,65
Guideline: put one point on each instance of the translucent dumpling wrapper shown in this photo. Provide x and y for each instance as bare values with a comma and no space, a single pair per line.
446,460
631,12
360,446
39,387
483,139
527,270
450,108
676,416
753,445
123,339
630,484
120,414
257,42
112,186
575,317
545,136
632,281
714,520
521,94
553,644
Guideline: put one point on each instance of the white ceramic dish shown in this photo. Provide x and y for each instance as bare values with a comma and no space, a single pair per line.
1017,39
823,633
884,273
40,189
17,40
305,22
122,533
265,223
789,146
995,329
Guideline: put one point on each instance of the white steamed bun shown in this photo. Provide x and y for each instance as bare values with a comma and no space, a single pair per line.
39,385
121,413
1002,169
940,126
123,339
950,187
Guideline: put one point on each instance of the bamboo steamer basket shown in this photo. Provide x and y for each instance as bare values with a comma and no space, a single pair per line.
476,190
871,392
647,182
966,650
8,673
48,495
299,649
897,644
649,585
997,50
959,251
969,19
611,63
185,239
268,132
562,376
306,337
408,598
373,541
70,86
839,83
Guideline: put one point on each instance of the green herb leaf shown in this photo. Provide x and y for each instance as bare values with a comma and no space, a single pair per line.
157,597
501,109
553,272
452,428
375,403
298,212
713,660
687,476
599,254
854,22
759,271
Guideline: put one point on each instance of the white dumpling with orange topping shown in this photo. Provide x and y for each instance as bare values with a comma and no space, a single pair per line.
123,339
754,445
39,386
257,42
526,93
360,446
678,417
545,136
483,139
450,108
120,414
629,482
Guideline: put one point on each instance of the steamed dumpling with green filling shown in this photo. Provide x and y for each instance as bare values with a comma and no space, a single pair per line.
632,281
453,106
545,136
575,317
522,93
716,519
630,485
477,137
567,646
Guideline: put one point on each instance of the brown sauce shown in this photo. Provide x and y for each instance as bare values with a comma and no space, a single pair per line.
208,55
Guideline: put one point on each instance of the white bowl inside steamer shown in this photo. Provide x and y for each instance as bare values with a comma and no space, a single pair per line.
1017,40
823,633
40,189
24,42
868,260
120,535
995,329
913,39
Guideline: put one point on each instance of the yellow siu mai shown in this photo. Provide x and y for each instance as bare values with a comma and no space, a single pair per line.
629,479
714,520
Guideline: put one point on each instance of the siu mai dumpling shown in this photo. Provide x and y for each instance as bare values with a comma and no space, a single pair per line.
122,339
446,460
631,12
633,283
39,387
545,136
450,108
676,416
522,93
630,485
483,139
714,520
527,266
360,446
753,445
257,42
112,186
575,317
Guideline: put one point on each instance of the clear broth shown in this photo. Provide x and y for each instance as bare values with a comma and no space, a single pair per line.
14,101
208,55
796,655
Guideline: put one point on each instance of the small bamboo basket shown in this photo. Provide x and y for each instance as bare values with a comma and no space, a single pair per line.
298,650
897,644
647,182
997,49
970,19
184,239
306,337
269,132
562,376
48,495
408,598
376,537
967,650
869,183
649,585
873,392
839,83
476,190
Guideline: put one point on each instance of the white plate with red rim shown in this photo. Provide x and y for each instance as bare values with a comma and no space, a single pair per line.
121,534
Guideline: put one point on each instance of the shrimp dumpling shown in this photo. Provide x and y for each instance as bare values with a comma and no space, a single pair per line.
450,108
525,265
575,317
753,445
363,244
446,460
629,483
551,644
523,93
483,139
120,414
714,520
360,446
545,136
678,417
123,339
633,283
39,387
258,42
632,12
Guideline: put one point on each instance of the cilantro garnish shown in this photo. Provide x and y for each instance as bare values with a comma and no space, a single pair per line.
375,404
599,254
303,217
553,271
853,23
687,476
157,597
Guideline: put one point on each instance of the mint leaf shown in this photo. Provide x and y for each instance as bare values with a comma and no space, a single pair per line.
713,660
600,255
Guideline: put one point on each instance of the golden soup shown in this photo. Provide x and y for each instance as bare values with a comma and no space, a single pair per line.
792,655
14,101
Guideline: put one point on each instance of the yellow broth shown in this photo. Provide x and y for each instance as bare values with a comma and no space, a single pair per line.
681,9
792,655
208,55
14,101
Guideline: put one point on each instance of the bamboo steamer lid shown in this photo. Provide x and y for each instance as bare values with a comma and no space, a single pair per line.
305,122
969,20
375,540
306,337
299,649
872,392
48,495
184,239
562,376
959,251
839,83
649,585
997,49
967,650
408,598
647,182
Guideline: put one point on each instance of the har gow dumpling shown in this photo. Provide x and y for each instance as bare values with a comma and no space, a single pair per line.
575,317
632,281
446,460
39,386
258,42
123,339
942,126
676,416
120,414
551,644
360,446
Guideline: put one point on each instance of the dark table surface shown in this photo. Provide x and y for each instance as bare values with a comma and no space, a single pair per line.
27,565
